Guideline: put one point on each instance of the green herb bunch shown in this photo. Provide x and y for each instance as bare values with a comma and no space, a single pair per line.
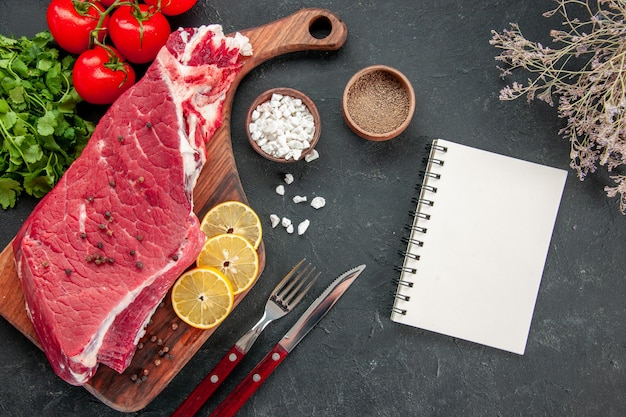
587,72
40,131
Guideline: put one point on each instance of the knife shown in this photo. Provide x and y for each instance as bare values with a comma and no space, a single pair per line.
316,311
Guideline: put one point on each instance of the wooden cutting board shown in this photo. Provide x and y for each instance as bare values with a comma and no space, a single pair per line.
169,343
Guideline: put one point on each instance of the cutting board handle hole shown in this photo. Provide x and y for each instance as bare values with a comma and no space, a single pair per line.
320,27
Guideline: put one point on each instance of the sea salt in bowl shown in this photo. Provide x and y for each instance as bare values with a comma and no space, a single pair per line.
283,125
378,103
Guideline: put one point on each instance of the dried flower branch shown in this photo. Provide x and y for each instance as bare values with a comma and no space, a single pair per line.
588,75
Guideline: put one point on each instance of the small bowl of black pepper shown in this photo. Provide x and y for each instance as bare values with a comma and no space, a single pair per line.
378,103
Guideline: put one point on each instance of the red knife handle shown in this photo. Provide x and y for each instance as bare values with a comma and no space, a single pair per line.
251,383
209,384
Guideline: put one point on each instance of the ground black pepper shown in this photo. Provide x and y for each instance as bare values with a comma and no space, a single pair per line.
378,103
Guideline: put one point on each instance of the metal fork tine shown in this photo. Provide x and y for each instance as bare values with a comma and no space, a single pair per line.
300,283
304,291
287,277
288,286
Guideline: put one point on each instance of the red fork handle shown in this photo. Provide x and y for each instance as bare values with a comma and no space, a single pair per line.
209,384
251,383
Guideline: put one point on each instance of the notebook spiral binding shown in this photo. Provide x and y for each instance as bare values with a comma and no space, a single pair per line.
426,197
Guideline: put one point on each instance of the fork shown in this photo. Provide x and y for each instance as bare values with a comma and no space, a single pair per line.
287,294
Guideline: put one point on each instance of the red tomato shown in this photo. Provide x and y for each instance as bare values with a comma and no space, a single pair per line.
139,32
172,7
72,21
100,75
107,3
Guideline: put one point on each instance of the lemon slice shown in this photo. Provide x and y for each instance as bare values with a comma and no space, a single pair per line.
234,256
233,217
202,297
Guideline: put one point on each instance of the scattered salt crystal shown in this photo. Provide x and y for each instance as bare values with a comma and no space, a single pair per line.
275,220
303,226
280,190
299,199
288,178
318,202
311,156
285,222
290,229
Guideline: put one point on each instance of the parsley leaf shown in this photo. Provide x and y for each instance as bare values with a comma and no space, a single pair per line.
9,190
40,131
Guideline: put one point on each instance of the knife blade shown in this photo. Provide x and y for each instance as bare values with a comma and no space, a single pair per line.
316,311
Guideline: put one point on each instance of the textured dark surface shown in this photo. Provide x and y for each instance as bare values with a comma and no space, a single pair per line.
357,362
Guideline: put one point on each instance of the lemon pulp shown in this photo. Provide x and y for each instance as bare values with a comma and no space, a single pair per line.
233,217
202,297
234,256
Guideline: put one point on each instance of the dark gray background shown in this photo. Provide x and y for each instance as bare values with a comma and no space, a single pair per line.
357,362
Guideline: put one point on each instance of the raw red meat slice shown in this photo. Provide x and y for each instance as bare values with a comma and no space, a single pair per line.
101,250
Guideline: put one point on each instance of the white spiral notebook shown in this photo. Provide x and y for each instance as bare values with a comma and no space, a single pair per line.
477,245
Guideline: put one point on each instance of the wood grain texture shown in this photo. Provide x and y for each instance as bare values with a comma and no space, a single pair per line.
169,343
